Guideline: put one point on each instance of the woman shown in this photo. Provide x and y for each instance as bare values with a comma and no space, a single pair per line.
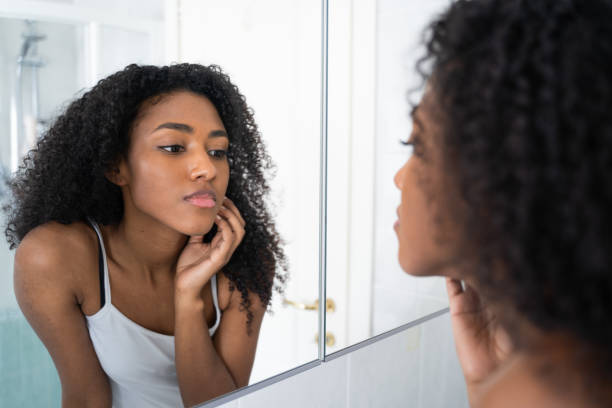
149,189
507,190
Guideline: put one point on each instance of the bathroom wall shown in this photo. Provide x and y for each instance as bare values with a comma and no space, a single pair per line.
416,368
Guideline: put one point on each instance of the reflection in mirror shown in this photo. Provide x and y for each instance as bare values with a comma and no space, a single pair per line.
372,56
128,308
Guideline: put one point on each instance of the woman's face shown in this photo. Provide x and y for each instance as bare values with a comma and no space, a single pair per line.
177,171
427,240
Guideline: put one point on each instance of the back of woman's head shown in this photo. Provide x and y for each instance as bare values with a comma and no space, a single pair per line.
63,178
524,89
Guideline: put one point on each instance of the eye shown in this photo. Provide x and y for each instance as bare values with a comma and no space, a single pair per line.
172,148
409,144
415,143
218,154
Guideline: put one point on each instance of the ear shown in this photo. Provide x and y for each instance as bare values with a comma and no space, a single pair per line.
116,174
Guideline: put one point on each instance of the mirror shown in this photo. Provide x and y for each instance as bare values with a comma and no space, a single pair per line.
54,50
373,49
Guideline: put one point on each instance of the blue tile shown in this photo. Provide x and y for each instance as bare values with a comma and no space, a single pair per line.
28,375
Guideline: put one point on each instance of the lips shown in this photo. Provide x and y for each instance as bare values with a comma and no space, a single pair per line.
202,198
396,224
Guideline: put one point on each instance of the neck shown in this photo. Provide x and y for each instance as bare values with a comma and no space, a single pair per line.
145,247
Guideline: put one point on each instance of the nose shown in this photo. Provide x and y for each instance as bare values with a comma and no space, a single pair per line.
397,179
201,166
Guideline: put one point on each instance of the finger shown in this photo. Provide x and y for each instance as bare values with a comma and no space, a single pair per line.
195,239
456,300
232,207
471,295
234,222
462,300
225,244
217,238
237,228
453,287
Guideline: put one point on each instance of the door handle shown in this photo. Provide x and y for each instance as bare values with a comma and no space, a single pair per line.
330,305
330,339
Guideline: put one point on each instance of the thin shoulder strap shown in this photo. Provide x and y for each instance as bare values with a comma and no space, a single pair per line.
213,288
105,294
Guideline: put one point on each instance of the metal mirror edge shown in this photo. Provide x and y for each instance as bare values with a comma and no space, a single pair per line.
323,181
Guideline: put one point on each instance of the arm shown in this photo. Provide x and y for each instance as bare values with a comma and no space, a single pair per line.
46,296
208,368
235,347
202,372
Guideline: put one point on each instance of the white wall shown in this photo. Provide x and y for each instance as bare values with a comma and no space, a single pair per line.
272,52
416,368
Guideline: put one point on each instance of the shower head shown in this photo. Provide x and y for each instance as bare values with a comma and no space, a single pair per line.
28,55
29,39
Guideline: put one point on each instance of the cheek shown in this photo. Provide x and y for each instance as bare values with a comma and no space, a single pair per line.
151,182
417,251
223,174
221,181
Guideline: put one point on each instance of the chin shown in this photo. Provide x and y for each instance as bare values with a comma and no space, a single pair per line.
196,226
416,272
415,267
409,266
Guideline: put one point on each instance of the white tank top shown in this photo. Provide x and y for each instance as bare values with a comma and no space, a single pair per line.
139,362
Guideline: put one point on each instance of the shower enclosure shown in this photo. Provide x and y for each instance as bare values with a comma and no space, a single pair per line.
26,124
38,73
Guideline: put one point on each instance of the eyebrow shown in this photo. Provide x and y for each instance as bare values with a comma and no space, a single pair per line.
415,119
182,127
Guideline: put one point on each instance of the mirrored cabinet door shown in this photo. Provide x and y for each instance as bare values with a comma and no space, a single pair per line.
373,49
272,50
52,52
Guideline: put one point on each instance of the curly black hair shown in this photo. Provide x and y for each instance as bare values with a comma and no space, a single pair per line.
525,91
63,178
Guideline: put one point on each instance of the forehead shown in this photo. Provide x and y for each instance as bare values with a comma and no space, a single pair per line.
431,114
427,103
181,107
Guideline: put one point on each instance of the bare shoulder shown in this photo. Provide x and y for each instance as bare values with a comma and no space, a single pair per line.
51,264
54,238
55,253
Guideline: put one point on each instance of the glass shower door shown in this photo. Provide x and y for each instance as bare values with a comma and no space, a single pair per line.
38,74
